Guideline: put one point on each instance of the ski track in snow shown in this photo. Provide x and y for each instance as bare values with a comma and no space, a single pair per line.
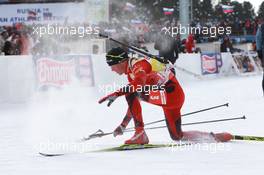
63,117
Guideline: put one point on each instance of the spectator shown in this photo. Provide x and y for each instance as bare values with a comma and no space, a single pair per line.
259,41
8,48
17,43
167,47
2,39
189,44
140,41
248,26
260,47
247,65
95,49
253,46
226,45
25,44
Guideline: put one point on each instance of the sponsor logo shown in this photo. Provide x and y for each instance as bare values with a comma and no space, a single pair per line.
209,64
154,97
54,72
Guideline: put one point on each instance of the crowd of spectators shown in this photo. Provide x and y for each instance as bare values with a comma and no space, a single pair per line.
19,39
14,40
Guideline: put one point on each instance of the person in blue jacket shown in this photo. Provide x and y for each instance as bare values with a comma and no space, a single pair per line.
260,47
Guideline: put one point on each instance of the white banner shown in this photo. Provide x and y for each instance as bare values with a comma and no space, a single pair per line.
90,11
41,13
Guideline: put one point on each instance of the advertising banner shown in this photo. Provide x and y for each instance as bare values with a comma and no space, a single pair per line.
53,72
57,71
41,13
209,63
89,11
244,64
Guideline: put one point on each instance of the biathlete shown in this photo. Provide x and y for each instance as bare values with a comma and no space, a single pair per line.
163,89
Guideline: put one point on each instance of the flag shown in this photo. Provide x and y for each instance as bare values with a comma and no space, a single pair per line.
168,11
227,8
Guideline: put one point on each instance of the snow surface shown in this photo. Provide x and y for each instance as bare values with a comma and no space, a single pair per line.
56,120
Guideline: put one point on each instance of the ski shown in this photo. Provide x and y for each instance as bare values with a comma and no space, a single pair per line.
248,138
128,147
124,147
51,154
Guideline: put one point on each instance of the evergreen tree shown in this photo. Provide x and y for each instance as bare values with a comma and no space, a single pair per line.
206,10
238,9
261,11
196,10
248,11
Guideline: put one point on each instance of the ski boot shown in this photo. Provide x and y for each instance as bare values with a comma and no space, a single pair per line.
222,137
140,137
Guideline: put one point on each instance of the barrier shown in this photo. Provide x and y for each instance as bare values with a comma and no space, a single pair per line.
245,63
21,75
17,78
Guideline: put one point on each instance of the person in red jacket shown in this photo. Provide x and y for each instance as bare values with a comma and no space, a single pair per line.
189,44
158,88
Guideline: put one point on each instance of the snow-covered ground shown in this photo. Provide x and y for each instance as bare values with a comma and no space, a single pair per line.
56,120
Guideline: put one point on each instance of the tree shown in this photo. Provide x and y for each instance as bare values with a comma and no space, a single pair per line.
207,11
261,11
238,11
196,10
248,11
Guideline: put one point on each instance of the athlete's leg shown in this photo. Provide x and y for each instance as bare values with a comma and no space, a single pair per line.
134,107
173,121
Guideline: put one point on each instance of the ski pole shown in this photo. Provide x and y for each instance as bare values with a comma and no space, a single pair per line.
189,72
97,134
100,133
193,123
190,113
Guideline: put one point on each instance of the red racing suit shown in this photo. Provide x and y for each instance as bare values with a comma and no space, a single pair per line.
170,97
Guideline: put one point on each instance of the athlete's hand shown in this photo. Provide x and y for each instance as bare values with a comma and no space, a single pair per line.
110,98
119,130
